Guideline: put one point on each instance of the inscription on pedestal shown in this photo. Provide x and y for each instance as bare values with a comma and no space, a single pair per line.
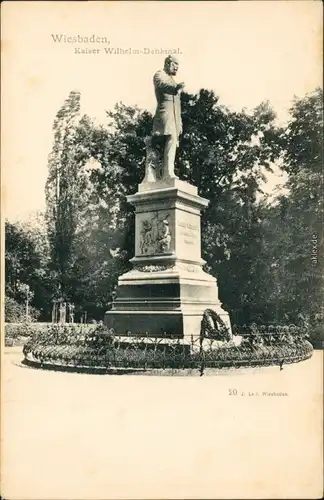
187,235
189,232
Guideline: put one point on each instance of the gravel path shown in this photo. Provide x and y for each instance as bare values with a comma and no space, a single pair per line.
79,436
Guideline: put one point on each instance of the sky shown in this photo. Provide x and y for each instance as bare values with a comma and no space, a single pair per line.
247,52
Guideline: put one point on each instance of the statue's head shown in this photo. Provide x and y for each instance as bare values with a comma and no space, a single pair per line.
171,65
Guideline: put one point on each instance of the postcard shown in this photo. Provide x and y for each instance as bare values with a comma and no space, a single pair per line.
162,250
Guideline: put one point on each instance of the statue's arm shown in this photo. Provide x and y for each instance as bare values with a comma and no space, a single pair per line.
165,85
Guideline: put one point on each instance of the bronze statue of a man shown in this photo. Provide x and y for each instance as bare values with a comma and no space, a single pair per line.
167,123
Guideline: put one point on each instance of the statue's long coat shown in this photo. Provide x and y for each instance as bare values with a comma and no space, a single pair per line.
167,119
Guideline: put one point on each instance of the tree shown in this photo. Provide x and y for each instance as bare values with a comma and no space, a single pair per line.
61,192
294,225
24,269
225,153
258,251
36,228
81,212
98,257
16,313
302,139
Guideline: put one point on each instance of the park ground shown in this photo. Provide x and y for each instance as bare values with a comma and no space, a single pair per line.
81,436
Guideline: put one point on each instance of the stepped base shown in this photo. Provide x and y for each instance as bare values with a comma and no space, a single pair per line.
170,324
167,303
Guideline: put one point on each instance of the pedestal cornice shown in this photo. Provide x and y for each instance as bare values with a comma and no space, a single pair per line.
180,192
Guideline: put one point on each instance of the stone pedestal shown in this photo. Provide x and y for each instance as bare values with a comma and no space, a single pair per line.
167,291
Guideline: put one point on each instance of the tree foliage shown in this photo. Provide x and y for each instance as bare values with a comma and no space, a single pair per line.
260,252
62,192
294,227
224,152
26,266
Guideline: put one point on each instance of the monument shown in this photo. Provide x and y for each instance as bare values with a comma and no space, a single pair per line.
167,291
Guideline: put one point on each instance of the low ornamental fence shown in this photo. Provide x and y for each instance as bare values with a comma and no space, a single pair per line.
102,349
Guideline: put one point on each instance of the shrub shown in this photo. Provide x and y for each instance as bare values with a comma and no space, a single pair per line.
14,331
48,333
317,333
271,334
16,313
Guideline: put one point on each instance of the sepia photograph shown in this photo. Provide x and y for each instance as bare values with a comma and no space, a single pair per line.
162,285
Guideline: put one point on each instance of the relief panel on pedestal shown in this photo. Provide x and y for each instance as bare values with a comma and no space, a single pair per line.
154,233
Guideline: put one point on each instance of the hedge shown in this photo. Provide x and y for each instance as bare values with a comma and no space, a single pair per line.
16,331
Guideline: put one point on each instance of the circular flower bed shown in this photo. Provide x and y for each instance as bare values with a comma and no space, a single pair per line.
103,350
